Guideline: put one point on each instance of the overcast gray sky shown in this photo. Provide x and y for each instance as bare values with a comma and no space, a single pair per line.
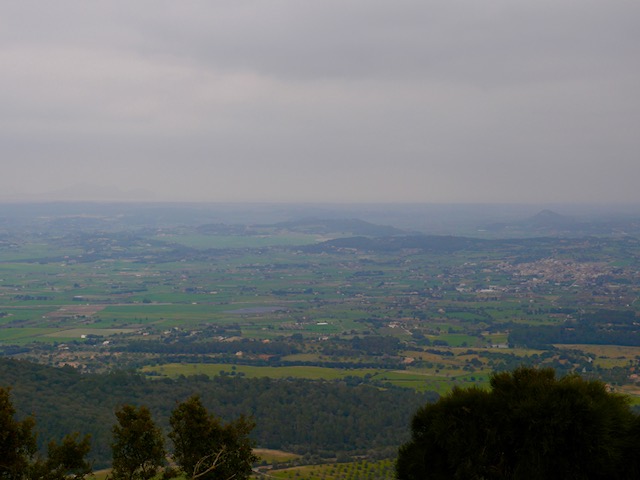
321,101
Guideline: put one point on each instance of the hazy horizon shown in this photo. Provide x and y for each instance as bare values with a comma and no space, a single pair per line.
427,102
482,219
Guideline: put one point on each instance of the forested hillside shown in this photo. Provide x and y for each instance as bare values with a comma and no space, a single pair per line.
319,418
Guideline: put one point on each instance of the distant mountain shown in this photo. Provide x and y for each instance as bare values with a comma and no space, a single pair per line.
545,222
549,219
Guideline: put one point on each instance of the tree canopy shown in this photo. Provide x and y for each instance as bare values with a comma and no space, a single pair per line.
297,415
528,425
18,460
138,445
17,440
204,448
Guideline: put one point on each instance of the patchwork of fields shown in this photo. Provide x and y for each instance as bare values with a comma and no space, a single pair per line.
347,304
430,314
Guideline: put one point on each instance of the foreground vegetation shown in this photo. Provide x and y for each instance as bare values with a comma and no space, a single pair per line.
530,425
314,418
203,447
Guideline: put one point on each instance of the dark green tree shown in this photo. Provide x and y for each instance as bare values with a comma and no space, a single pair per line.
206,449
17,440
65,461
529,425
138,445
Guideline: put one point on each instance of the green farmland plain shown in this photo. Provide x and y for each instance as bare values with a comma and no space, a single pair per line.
308,324
292,301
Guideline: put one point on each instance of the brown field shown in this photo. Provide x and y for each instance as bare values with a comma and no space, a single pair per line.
274,455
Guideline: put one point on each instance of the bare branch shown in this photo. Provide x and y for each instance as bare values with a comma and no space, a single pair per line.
216,461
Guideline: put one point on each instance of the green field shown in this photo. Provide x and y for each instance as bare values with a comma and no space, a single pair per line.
415,380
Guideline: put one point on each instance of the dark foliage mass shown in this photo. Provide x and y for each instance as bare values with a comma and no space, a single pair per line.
17,442
298,415
206,449
138,445
529,425
19,459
